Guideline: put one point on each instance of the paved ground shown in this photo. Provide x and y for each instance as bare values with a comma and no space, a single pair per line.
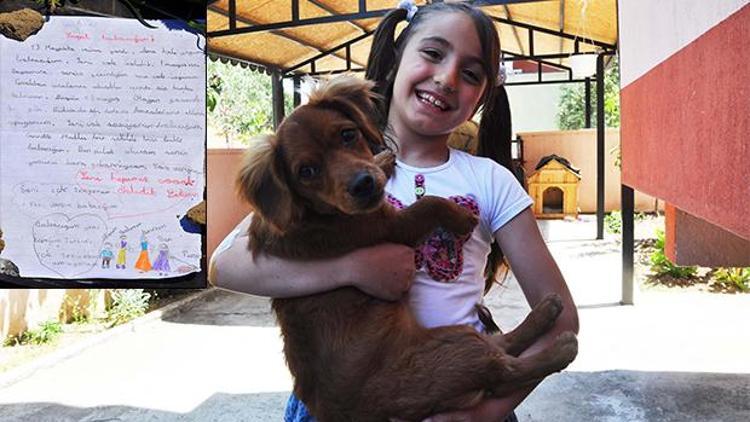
672,357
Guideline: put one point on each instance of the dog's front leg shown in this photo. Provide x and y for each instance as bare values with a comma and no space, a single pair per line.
537,322
412,224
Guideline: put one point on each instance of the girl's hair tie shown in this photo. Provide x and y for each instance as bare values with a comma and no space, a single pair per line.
502,74
410,8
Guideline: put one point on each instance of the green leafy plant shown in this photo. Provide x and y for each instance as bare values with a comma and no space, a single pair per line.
45,333
736,277
127,304
613,222
572,105
82,310
240,101
661,265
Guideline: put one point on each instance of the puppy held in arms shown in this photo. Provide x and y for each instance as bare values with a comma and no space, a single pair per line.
317,191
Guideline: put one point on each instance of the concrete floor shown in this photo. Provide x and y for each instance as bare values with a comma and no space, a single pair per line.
672,357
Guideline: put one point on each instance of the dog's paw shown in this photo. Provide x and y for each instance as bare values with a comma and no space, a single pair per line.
462,222
386,160
550,308
566,345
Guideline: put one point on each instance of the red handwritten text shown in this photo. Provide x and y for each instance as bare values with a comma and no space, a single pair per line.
76,36
188,181
180,193
134,39
84,175
133,190
128,179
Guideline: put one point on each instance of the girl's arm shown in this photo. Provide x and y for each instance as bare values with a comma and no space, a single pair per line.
384,271
538,276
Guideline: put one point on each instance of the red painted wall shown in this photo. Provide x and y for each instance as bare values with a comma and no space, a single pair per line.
686,127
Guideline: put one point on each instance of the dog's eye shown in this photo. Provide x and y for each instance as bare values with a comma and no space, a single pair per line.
348,136
307,172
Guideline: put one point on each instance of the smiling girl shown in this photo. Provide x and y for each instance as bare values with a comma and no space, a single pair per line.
437,74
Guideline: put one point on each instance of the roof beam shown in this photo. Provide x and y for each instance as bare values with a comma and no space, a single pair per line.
515,30
561,34
328,9
327,52
276,32
363,13
562,25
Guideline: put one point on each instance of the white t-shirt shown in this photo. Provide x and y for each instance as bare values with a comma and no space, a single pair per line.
450,280
477,181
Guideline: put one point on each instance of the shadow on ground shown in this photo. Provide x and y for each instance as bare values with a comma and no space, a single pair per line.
621,395
572,396
218,408
223,308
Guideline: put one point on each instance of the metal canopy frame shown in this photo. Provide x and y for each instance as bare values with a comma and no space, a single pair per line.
605,49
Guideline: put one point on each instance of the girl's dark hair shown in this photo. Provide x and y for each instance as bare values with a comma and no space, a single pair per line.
494,129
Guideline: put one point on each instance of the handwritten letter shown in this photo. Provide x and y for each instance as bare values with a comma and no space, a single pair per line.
102,145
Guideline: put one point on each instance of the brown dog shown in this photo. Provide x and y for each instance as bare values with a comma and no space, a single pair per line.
318,192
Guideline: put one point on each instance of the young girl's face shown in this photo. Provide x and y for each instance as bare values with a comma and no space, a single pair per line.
440,79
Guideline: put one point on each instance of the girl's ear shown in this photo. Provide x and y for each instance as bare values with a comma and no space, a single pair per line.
262,183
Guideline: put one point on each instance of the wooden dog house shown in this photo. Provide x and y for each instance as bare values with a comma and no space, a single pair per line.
554,188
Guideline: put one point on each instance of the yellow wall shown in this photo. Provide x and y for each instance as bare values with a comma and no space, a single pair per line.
579,148
22,309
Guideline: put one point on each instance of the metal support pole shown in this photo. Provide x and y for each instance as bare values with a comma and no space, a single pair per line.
297,98
588,103
600,146
628,242
232,14
277,92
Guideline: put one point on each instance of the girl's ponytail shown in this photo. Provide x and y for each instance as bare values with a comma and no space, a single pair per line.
381,63
495,130
495,133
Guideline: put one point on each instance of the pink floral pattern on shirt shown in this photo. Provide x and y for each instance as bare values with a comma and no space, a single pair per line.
442,253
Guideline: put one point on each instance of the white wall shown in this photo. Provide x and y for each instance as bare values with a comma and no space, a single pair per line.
651,31
534,107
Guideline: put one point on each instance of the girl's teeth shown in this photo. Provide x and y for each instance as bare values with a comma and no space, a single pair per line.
437,103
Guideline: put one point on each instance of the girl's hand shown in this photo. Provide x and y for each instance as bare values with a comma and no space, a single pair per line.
385,271
490,410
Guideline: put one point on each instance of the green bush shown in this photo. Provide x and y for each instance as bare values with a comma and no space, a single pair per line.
737,277
127,304
661,265
572,105
613,222
43,334
82,310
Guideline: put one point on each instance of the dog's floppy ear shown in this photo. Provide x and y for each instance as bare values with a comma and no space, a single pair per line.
354,91
263,184
354,98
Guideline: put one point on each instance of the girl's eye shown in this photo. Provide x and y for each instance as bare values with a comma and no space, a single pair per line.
348,136
308,172
432,54
472,76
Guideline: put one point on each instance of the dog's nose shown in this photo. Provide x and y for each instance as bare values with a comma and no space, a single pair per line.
362,186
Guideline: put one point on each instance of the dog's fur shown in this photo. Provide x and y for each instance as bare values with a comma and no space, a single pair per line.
318,192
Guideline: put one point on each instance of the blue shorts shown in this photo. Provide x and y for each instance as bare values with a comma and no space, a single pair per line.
297,412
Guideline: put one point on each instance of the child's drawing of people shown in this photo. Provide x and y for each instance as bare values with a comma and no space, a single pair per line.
120,262
143,264
161,264
106,254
